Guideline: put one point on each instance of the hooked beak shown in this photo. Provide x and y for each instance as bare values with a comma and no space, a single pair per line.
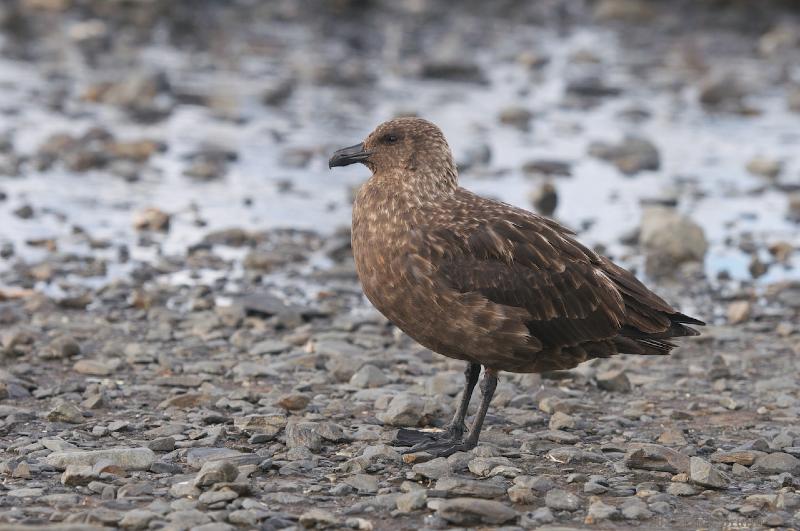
349,155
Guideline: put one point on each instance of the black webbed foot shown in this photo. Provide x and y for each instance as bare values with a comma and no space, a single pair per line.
406,437
443,447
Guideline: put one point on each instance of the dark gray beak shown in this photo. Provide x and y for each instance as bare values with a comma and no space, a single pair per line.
348,155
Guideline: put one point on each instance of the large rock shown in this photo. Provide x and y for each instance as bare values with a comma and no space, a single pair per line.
776,463
474,511
125,458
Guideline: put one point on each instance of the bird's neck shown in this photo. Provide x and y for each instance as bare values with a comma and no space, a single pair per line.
416,187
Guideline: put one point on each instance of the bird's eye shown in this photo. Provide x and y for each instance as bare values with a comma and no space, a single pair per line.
389,138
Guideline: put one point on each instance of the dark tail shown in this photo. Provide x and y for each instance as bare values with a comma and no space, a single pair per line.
651,322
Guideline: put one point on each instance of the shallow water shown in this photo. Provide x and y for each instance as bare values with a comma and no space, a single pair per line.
703,155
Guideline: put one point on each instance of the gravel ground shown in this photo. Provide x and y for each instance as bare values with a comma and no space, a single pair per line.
171,372
160,407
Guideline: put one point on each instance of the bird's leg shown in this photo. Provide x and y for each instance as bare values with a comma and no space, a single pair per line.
444,448
455,430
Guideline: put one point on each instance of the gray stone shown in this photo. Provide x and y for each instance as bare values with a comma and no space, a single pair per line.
363,483
540,484
162,444
369,376
217,496
542,515
742,457
412,501
681,489
562,421
125,458
433,469
485,466
405,409
453,487
590,487
568,454
137,519
66,412
776,463
188,518
635,509
665,233
614,380
79,475
474,511
648,456
197,457
703,473
631,155
599,511
562,500
520,494
303,434
215,472
29,492
331,431
318,519
214,526
184,489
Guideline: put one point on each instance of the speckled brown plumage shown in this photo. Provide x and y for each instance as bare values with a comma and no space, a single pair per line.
483,281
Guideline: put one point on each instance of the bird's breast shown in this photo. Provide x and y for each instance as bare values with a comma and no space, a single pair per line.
380,239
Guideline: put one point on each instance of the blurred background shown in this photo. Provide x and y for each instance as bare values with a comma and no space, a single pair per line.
135,134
